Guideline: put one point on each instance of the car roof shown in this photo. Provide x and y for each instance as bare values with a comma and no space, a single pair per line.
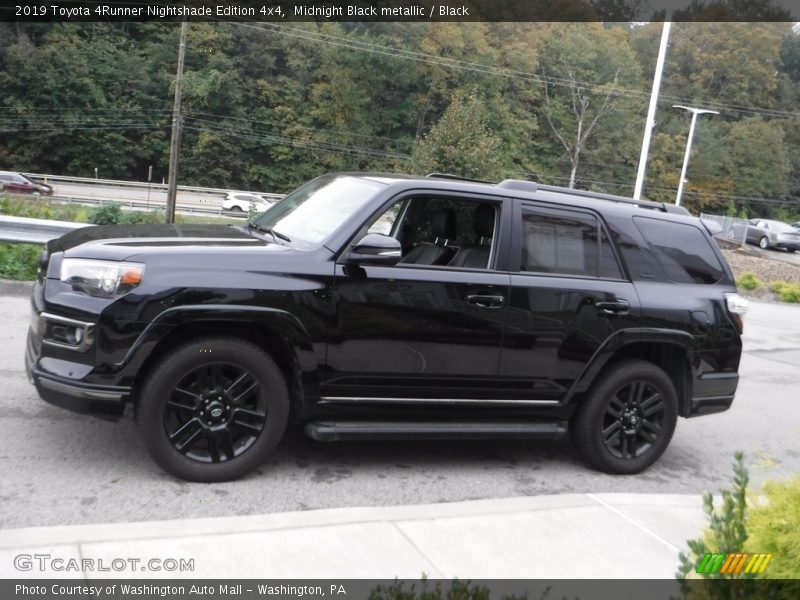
518,188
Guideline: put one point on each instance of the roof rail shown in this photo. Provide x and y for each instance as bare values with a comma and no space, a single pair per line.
662,206
519,184
458,177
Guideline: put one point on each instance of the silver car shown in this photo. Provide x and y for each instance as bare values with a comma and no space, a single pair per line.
773,234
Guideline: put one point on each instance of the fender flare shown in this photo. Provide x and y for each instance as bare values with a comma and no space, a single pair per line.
619,340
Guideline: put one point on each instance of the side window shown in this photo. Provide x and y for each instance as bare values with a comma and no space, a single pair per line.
566,243
385,223
682,251
441,231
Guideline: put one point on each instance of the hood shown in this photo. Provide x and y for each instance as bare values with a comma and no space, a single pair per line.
117,242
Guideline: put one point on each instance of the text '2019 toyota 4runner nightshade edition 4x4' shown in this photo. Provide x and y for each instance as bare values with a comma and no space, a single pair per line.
388,306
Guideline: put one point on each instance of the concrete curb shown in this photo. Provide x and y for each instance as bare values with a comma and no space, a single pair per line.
16,288
621,536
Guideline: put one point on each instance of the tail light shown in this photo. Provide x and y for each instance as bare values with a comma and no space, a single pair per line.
737,306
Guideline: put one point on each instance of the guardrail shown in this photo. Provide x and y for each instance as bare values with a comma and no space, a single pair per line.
185,209
145,185
34,231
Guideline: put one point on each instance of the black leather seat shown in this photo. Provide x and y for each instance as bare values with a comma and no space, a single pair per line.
443,226
476,256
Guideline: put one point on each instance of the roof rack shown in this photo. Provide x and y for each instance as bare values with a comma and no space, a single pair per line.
531,186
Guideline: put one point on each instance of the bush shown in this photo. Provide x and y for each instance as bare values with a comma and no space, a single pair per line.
111,213
749,282
19,261
787,292
773,528
106,214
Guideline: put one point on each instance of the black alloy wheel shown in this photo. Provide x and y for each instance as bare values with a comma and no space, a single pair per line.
213,410
634,420
626,422
215,413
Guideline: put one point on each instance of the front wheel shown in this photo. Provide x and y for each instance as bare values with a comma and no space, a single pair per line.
628,419
213,410
763,243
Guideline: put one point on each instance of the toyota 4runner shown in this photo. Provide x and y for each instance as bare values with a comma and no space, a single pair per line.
369,306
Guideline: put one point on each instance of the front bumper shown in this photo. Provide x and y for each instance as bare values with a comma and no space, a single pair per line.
103,401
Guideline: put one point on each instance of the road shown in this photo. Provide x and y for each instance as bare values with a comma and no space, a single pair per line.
60,468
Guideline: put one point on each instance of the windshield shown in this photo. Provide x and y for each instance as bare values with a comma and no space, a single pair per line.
311,213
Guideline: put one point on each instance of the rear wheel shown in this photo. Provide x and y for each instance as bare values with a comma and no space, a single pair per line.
236,208
763,243
628,419
213,410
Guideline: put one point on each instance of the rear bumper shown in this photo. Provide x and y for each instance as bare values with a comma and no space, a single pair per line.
713,393
107,402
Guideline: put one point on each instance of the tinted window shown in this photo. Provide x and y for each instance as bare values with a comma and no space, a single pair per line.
567,243
682,251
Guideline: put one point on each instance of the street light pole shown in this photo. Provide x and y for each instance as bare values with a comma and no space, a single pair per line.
175,142
695,112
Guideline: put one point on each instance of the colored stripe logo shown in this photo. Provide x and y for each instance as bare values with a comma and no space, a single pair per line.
733,564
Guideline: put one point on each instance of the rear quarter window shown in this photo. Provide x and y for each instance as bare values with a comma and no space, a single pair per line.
682,251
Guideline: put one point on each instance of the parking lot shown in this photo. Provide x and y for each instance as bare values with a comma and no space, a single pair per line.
59,468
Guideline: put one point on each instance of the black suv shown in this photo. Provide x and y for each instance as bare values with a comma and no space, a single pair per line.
387,306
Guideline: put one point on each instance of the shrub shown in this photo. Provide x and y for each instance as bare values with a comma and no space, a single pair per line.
773,528
749,282
19,261
106,214
787,292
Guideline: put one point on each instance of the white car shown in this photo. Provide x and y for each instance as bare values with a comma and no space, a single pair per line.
243,201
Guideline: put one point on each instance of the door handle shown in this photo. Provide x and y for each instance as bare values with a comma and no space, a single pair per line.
615,307
486,300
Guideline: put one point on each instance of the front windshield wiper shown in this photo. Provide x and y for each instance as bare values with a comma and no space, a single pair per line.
275,234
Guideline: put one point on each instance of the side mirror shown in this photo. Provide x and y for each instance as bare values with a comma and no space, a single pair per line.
375,249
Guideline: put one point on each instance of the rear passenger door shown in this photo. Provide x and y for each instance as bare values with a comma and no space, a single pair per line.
568,296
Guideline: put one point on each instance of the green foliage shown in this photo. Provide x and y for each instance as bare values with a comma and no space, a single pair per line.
111,213
265,110
726,533
749,282
19,261
461,143
21,206
773,527
787,292
106,214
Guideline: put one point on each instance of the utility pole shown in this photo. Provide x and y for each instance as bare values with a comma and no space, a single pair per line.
695,112
651,111
175,142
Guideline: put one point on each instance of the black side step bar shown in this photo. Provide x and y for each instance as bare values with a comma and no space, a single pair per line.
333,431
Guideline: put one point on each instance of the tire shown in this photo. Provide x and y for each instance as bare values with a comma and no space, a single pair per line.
791,250
213,410
624,440
763,243
236,208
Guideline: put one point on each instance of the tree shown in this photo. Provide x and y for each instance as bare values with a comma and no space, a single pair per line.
585,66
460,143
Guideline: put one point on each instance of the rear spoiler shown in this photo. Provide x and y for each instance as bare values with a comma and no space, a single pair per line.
712,227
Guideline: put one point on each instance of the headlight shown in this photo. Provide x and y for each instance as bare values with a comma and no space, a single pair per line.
101,278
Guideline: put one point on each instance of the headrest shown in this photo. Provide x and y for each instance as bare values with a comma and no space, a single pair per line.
483,220
443,223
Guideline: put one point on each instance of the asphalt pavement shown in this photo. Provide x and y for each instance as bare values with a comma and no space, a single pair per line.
60,468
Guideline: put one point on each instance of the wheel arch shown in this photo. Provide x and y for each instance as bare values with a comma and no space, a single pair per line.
277,332
669,350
